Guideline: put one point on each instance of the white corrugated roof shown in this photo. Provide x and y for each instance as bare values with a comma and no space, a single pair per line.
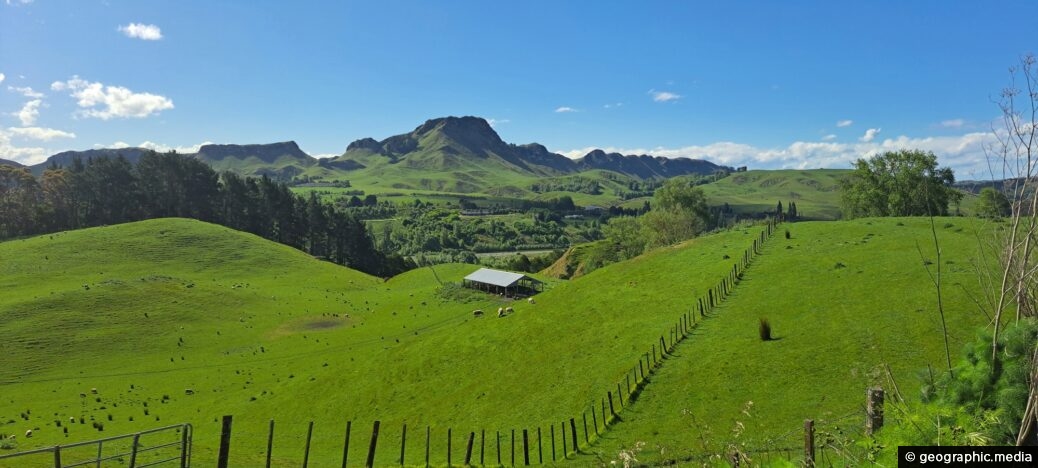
504,279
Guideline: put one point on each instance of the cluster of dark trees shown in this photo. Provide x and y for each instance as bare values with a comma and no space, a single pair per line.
899,183
569,184
103,191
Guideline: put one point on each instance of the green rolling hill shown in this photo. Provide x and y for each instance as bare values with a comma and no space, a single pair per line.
815,191
145,311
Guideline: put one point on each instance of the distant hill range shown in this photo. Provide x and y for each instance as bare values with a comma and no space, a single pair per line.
7,162
457,154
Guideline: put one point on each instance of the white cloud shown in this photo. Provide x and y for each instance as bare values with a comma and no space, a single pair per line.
38,133
844,123
964,153
25,91
147,32
829,137
2,77
953,123
565,109
496,122
610,106
870,135
161,148
114,101
24,155
664,96
30,111
19,2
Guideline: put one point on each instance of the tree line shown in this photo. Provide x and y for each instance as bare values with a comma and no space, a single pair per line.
103,191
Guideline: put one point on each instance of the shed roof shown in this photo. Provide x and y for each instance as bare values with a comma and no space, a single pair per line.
504,279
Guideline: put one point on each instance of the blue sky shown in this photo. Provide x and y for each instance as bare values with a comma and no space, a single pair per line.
764,84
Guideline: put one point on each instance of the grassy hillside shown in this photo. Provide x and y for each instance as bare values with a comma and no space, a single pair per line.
147,310
815,191
844,300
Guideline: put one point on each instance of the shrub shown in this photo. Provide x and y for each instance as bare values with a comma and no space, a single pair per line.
765,330
787,233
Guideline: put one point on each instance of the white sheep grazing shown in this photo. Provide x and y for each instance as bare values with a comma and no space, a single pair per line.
477,313
508,310
530,300
71,419
93,390
28,433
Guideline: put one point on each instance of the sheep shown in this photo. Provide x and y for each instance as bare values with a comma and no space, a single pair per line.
93,390
28,433
189,391
530,300
477,313
500,312
508,310
72,419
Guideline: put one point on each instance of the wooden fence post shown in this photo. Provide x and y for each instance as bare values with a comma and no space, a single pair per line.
611,409
133,450
57,456
371,446
306,451
403,443
346,445
526,448
497,439
565,451
449,446
583,415
663,347
573,431
428,439
628,379
873,410
482,444
552,442
225,442
468,449
809,443
513,447
270,441
619,395
540,446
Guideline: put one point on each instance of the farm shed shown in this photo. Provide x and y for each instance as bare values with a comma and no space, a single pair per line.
502,282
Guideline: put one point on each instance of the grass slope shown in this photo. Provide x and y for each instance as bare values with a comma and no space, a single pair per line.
144,311
844,299
261,332
815,191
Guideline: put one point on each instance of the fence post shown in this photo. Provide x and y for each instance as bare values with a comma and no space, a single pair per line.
513,447
594,418
371,447
540,446
133,451
873,410
565,451
482,444
654,354
663,347
346,444
225,443
57,456
628,379
185,439
497,438
428,433
270,441
449,446
552,441
403,444
468,449
306,451
809,443
573,431
526,448
583,415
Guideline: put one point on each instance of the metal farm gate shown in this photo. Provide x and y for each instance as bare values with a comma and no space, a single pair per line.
168,446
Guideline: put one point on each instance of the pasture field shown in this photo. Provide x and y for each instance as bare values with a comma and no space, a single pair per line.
815,191
145,311
844,300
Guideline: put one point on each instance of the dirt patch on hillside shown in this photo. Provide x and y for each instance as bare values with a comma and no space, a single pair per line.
322,324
